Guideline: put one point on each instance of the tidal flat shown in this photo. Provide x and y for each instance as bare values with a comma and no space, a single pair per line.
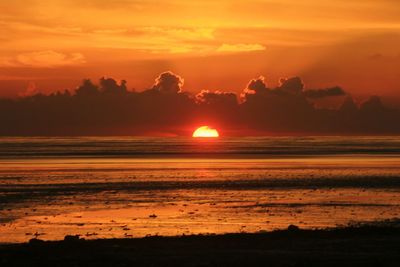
101,188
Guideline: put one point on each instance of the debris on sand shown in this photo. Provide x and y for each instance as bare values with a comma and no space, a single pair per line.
293,228
72,238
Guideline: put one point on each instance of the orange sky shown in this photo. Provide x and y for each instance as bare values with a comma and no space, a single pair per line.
48,45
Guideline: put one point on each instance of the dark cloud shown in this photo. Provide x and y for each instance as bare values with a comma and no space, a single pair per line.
321,93
109,108
216,98
257,86
218,108
110,86
348,106
292,85
168,82
87,89
282,109
372,105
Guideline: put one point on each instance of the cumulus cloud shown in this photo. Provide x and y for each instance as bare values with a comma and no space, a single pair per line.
87,89
218,107
111,86
256,86
348,105
47,58
216,98
31,90
107,107
372,104
291,85
327,92
168,82
240,48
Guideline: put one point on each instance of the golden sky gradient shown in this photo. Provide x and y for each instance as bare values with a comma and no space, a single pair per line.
53,44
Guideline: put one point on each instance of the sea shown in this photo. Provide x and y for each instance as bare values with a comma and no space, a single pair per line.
125,187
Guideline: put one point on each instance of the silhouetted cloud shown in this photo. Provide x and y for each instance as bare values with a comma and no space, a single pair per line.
257,86
168,82
109,108
320,93
216,98
217,107
373,104
30,90
291,85
282,109
108,85
87,89
348,106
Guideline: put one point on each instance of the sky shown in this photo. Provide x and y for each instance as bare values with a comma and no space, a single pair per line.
50,45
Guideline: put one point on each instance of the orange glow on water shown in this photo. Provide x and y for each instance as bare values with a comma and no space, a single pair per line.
205,131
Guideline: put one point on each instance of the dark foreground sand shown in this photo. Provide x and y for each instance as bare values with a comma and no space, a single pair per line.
350,246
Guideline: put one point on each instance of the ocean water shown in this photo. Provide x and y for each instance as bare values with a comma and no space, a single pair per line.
115,187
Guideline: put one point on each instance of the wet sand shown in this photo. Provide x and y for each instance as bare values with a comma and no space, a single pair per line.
119,197
366,245
116,188
179,202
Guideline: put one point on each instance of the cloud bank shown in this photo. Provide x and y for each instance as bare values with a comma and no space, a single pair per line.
233,48
43,59
109,108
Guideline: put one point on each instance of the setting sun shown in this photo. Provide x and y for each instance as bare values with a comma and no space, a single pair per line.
205,131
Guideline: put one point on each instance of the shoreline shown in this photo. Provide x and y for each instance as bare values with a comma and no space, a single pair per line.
358,245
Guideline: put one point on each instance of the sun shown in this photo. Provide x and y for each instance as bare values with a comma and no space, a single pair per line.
205,131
